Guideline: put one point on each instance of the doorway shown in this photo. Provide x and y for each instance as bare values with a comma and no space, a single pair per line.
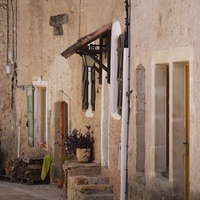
172,125
64,124
61,123
180,126
187,132
42,114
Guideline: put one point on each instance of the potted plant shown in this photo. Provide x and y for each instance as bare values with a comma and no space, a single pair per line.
81,145
60,181
65,155
7,166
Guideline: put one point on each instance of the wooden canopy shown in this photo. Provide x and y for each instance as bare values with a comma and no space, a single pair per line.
82,42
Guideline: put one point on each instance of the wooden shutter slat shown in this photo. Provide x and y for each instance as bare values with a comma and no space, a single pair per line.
120,48
30,114
85,88
93,88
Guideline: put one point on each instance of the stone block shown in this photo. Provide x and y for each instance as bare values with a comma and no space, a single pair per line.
97,197
89,169
95,188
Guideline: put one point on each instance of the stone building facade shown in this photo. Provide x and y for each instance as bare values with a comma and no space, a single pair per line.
149,146
165,102
7,114
46,96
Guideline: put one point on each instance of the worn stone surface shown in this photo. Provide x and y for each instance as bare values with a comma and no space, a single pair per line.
84,179
97,196
37,53
8,135
89,169
154,26
88,183
89,189
13,191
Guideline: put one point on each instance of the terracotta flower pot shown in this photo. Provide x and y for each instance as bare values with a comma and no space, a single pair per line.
60,182
42,145
7,170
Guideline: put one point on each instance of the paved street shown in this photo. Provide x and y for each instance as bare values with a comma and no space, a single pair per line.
11,194
13,191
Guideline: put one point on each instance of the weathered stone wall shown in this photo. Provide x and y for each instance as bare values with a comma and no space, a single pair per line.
38,54
8,132
155,26
139,188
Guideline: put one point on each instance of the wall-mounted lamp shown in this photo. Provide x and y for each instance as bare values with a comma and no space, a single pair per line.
87,60
87,46
93,53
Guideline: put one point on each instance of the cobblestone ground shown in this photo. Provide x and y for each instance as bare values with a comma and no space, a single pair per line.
44,192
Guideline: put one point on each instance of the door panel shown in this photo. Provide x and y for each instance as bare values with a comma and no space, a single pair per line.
180,129
187,128
64,126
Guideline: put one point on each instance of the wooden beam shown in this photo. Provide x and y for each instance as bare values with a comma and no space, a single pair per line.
102,31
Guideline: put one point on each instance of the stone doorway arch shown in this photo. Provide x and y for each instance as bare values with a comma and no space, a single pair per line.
61,103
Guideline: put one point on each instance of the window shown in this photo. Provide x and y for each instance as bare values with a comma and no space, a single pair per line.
88,90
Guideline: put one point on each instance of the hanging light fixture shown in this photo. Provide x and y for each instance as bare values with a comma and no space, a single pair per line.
94,49
87,60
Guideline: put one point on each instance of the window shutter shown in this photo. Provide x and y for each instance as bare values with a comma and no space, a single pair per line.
85,88
93,88
120,47
30,114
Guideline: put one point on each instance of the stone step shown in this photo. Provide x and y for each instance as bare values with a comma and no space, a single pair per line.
95,188
82,179
84,182
95,196
89,169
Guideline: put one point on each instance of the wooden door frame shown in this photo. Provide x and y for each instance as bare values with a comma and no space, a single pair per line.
187,134
64,121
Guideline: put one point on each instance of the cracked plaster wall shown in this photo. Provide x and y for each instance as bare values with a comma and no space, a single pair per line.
38,54
155,26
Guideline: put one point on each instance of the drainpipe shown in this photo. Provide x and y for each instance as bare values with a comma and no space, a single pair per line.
125,109
124,127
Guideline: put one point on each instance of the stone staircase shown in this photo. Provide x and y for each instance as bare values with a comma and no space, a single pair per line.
85,182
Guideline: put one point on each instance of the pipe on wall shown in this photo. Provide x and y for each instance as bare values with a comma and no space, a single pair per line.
18,141
125,105
124,127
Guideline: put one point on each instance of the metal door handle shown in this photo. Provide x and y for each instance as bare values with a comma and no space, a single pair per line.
185,143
